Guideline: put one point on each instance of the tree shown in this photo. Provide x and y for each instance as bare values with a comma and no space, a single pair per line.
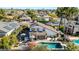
68,12
2,13
31,13
8,42
59,12
5,43
52,15
13,39
72,47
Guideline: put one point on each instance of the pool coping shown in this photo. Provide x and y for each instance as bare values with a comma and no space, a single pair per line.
53,42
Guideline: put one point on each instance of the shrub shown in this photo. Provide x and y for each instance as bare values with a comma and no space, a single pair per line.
43,21
72,47
40,48
62,28
13,39
5,43
53,20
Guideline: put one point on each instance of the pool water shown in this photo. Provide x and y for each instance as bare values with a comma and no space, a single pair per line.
53,45
76,41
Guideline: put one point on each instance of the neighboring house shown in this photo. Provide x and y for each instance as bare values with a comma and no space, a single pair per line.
46,18
6,28
72,27
53,23
42,13
43,16
24,17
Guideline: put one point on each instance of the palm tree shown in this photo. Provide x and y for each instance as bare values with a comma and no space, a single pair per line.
2,13
60,12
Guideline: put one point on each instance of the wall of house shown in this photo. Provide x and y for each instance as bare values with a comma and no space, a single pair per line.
46,19
76,29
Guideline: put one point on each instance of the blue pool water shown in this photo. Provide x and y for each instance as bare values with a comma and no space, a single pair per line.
76,41
53,45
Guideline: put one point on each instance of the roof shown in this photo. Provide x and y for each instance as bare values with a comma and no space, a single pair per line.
46,16
7,26
38,33
73,23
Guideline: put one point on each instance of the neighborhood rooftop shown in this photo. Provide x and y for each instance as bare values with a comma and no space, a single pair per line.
6,27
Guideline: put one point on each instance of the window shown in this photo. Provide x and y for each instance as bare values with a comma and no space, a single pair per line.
77,23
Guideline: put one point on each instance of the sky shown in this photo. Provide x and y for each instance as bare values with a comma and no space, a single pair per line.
47,4
27,4
23,4
29,7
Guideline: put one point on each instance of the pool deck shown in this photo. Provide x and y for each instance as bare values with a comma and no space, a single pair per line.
73,38
48,41
52,42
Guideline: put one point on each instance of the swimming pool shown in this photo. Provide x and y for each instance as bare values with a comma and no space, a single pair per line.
52,45
76,41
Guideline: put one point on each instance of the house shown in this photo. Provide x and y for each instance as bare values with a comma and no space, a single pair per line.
24,17
53,23
38,35
46,17
37,32
72,27
6,28
43,16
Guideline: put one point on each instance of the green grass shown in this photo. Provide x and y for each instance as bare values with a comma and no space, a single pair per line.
44,22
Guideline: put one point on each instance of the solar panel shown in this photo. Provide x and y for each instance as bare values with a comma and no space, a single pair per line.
13,25
7,27
2,31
